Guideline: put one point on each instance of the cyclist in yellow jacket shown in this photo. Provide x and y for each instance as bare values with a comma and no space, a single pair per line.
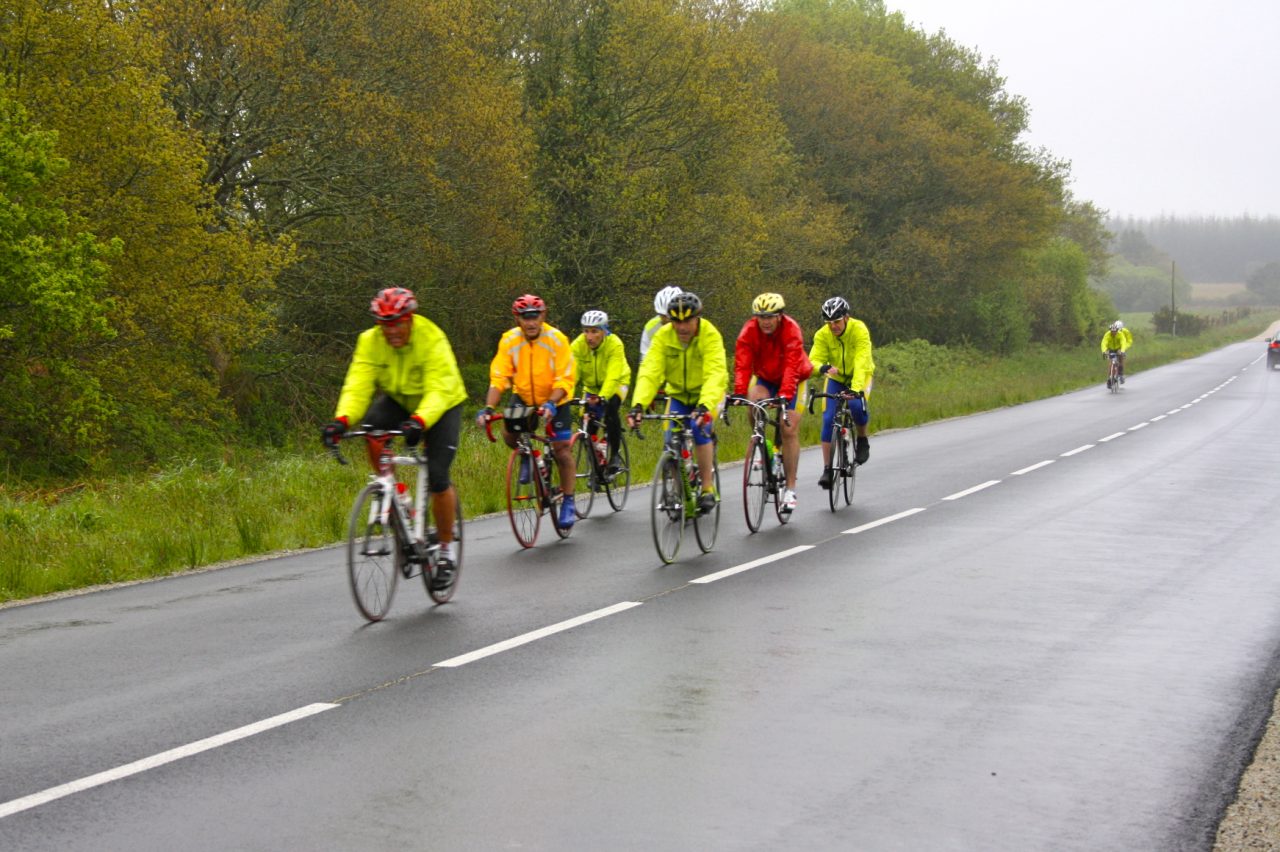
1117,339
842,351
687,356
605,376
406,360
534,360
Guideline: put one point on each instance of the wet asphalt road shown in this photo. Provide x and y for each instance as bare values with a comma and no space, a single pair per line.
1078,655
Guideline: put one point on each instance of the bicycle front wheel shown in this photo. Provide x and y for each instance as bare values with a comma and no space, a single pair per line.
554,496
374,555
839,465
755,482
616,488
667,508
850,476
523,507
588,474
707,526
443,595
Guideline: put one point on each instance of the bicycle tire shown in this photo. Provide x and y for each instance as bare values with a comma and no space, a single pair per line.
443,595
755,483
707,527
524,508
849,478
587,473
779,491
375,556
839,464
666,508
616,489
554,497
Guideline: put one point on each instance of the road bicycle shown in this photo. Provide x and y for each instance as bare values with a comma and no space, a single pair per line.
673,502
844,469
1113,371
390,533
533,477
763,477
591,455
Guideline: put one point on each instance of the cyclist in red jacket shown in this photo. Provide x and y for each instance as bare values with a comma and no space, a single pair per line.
771,348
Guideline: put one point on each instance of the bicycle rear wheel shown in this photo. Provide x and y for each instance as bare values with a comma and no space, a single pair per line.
523,507
755,483
706,527
444,595
666,508
849,477
617,486
839,464
588,474
374,555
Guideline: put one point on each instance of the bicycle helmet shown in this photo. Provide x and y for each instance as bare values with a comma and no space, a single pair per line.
663,299
595,319
393,303
528,305
767,305
1117,325
834,308
683,306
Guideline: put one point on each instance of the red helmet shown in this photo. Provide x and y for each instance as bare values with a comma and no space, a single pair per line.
527,305
392,304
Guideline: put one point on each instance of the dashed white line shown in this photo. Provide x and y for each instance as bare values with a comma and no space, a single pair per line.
532,636
1144,424
1173,411
1035,466
1077,450
908,513
1158,418
36,799
1185,407
1112,437
755,563
968,491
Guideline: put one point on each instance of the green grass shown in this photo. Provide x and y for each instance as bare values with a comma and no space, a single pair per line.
199,513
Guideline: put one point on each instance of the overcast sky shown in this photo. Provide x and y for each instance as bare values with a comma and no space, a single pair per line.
1166,107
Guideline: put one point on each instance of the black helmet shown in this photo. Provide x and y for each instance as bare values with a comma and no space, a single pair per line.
834,308
684,305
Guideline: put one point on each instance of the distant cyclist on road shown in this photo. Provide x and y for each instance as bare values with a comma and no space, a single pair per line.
534,359
771,348
687,356
1117,339
660,302
605,376
842,348
407,361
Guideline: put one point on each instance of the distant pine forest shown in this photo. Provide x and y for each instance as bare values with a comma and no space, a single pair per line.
1204,249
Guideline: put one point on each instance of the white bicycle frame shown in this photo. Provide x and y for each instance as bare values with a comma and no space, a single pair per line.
417,524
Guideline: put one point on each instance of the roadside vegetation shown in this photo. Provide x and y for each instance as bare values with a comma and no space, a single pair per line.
200,511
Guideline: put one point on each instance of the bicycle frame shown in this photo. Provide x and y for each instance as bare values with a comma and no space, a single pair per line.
412,524
1113,371
541,462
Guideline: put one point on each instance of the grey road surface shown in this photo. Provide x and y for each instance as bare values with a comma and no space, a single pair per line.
1049,627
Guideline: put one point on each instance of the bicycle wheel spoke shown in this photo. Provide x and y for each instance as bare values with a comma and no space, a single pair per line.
667,508
707,526
523,507
587,474
755,482
617,487
374,556
839,463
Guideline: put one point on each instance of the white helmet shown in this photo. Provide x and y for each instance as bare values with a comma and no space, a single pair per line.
1117,325
595,319
663,299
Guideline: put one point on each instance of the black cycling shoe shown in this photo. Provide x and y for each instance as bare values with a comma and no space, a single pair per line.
862,451
446,572
824,481
706,502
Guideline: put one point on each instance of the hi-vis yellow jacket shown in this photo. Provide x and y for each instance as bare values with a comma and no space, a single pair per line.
697,374
604,371
422,375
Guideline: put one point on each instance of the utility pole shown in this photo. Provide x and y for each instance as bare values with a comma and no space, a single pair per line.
1173,294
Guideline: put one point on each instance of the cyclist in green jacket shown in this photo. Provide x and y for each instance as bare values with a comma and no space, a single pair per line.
842,348
687,356
1118,339
605,376
407,362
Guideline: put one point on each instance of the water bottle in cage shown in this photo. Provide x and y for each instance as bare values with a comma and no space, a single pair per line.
403,499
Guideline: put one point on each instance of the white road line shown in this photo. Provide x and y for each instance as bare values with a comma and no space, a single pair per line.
88,782
1158,418
1144,424
1077,450
968,491
908,513
541,633
1035,466
755,563
1174,411
1112,437
1185,407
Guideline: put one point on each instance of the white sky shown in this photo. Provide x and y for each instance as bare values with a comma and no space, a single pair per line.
1161,107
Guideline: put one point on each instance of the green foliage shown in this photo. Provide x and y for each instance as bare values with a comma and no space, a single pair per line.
1166,321
1265,282
1142,288
1063,308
